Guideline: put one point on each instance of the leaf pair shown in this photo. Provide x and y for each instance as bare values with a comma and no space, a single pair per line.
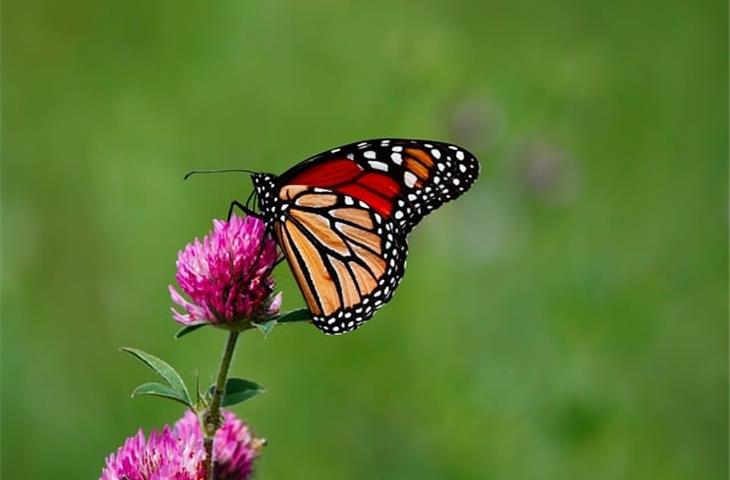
301,315
174,388
237,390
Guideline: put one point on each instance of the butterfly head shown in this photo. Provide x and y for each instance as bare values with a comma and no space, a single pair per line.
264,184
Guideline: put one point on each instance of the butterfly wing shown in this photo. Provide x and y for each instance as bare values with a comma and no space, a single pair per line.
346,257
399,178
342,218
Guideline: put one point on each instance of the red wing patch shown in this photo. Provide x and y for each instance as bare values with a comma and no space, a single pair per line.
328,174
380,183
348,177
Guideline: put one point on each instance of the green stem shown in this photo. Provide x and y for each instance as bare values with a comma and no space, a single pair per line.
212,415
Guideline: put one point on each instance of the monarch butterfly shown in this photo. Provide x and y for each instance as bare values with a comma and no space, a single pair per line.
342,218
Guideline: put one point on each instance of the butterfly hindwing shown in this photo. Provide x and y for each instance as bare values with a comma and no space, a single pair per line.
346,258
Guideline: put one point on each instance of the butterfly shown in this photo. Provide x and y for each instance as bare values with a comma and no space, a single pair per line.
342,218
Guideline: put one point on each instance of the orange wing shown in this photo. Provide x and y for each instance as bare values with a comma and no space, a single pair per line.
346,258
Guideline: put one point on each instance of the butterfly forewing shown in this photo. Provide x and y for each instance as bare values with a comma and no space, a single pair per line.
402,178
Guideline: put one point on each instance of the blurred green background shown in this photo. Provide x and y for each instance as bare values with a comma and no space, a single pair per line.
567,318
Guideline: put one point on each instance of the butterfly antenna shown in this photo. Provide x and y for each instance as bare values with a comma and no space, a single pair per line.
222,170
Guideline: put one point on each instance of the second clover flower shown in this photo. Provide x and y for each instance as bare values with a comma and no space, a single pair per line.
177,453
227,276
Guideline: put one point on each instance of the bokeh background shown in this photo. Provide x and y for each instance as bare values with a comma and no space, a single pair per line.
567,318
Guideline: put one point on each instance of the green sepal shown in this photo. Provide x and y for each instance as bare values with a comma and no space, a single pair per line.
159,390
164,370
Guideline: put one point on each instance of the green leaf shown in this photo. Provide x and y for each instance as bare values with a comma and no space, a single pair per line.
301,315
164,370
159,390
189,329
238,390
266,327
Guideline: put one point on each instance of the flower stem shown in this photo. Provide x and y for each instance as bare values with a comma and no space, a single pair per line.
212,415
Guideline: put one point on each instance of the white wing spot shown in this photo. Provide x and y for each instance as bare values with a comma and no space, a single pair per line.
369,154
378,165
349,201
462,167
398,148
409,179
398,215
396,157
460,155
436,154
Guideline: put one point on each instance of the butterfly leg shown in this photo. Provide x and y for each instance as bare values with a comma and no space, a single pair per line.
255,265
241,207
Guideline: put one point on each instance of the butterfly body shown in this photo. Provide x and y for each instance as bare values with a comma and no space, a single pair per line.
342,218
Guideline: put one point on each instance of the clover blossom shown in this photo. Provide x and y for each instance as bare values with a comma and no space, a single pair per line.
227,276
178,453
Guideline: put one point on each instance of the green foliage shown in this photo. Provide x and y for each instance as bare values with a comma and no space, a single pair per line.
299,315
266,327
175,387
238,390
160,390
188,329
